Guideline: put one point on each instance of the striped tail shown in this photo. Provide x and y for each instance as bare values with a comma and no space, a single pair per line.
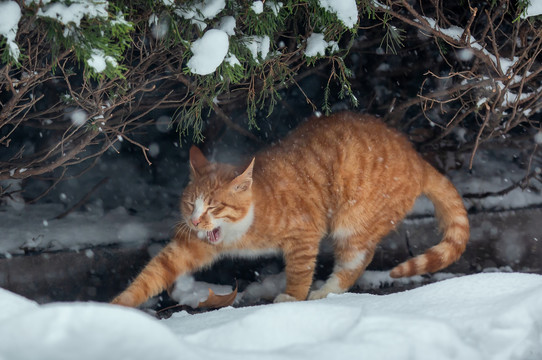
454,224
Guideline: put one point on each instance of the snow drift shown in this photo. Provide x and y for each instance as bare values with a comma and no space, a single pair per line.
484,316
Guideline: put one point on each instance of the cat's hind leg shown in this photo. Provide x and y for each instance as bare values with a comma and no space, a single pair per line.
352,255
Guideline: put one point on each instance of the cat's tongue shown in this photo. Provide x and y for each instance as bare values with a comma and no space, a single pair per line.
214,235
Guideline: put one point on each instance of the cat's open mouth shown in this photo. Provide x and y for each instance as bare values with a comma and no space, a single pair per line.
213,236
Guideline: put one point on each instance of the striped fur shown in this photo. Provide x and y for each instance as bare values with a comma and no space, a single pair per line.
453,223
347,175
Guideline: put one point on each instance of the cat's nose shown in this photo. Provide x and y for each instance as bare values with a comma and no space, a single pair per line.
195,221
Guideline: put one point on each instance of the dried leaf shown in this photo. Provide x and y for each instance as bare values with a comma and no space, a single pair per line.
215,301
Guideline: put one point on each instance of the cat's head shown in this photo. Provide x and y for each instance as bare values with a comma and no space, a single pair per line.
217,201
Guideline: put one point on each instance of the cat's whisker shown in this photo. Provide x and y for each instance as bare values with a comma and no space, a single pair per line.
181,229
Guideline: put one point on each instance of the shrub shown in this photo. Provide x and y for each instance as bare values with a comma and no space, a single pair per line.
78,76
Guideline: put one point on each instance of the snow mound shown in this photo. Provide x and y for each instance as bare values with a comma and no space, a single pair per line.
484,316
13,304
86,331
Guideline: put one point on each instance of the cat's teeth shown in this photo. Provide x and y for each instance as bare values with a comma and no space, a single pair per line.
213,236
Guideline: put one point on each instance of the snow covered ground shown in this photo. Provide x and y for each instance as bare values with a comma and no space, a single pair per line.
484,316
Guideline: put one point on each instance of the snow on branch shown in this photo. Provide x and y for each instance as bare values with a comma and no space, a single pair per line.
79,77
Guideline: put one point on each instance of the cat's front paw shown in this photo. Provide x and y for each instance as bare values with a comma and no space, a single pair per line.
284,298
124,299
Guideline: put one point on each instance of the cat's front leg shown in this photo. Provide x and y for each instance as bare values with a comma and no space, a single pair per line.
177,258
300,263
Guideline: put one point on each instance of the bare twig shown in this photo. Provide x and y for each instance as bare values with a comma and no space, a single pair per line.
518,184
479,136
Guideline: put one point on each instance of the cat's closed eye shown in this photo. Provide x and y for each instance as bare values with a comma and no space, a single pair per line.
189,203
212,205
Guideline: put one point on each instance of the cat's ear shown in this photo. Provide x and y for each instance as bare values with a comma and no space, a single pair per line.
243,182
197,161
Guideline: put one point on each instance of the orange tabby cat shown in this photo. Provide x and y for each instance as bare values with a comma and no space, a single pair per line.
346,175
